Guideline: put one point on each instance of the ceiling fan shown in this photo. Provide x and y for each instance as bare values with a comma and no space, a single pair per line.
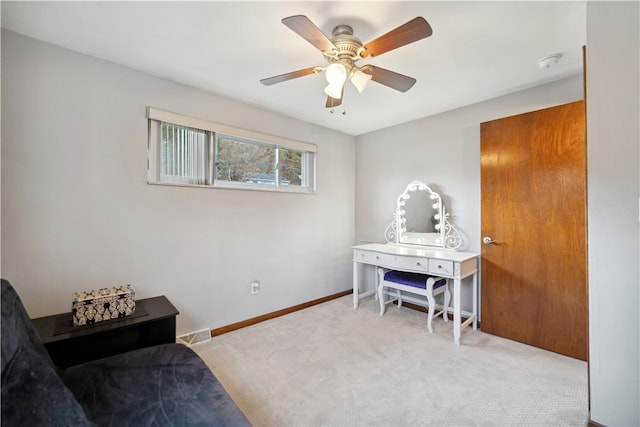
343,50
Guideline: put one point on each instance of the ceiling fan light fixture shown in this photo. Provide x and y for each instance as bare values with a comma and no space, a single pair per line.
334,90
360,79
336,75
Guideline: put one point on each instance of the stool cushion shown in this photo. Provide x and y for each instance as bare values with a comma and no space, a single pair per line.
416,280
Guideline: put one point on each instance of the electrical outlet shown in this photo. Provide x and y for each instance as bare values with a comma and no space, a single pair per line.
255,287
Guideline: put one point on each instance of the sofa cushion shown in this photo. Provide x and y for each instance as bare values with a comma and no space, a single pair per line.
162,385
34,395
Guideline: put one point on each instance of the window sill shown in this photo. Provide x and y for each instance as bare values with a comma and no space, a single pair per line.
240,186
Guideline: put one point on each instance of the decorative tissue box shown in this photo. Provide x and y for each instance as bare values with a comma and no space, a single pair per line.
103,304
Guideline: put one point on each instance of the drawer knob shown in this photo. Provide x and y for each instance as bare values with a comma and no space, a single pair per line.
418,264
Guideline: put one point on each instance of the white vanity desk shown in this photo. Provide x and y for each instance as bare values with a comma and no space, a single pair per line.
419,259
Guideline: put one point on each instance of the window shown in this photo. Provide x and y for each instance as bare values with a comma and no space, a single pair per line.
184,154
191,152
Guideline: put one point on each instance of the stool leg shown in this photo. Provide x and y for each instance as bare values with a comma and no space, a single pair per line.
447,301
432,307
380,290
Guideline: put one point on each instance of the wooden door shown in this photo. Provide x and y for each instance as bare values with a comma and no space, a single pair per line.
533,190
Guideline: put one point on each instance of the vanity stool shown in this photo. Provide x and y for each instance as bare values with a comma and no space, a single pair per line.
415,283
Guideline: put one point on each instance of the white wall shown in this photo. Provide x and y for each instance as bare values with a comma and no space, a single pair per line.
613,165
77,212
444,152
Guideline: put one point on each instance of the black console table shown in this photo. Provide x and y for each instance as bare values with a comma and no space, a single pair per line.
153,323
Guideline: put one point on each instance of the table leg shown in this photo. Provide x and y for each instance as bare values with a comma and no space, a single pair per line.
475,301
355,284
457,318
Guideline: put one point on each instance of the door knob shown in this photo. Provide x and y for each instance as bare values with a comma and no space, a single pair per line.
487,240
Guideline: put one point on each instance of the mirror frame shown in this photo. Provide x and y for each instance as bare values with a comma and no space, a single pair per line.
435,239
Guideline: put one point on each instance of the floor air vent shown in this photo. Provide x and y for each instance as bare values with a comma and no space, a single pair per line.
195,337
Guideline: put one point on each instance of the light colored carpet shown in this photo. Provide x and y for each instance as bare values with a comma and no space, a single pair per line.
331,365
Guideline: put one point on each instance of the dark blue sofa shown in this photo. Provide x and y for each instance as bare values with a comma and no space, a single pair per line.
165,385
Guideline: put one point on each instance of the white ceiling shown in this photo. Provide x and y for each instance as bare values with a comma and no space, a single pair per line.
478,50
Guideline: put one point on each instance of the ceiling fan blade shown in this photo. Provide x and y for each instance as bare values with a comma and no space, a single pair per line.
414,30
306,29
288,76
389,78
332,102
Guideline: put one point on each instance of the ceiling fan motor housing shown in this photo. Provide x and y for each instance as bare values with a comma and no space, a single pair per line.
348,47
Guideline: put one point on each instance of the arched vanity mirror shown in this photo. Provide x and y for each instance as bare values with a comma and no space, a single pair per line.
420,219
419,216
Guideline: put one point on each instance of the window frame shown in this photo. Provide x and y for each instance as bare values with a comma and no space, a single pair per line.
213,131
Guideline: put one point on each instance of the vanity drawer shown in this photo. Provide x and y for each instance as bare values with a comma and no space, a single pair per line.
363,256
439,267
392,261
418,265
375,258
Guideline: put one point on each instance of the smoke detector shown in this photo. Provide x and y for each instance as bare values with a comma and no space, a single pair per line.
549,61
